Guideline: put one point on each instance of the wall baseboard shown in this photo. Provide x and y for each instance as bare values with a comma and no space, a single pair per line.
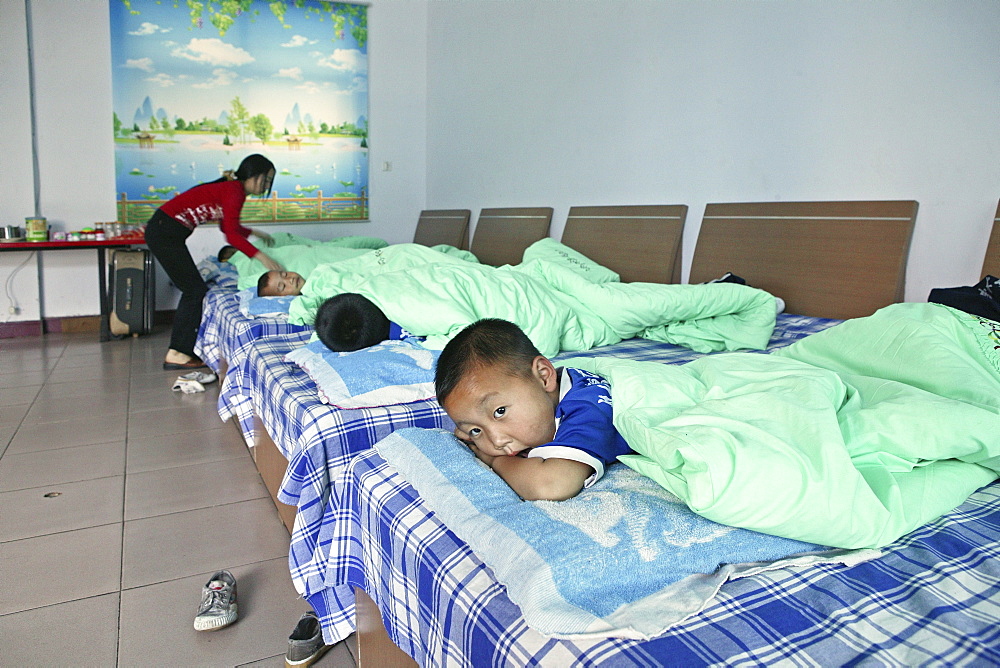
75,324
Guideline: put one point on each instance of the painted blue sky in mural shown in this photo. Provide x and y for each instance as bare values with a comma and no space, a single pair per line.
308,77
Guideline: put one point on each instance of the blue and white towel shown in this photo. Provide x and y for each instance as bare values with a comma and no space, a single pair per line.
220,274
252,306
624,558
392,372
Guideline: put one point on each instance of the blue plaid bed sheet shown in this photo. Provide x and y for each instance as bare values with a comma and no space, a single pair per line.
319,441
932,599
224,337
225,332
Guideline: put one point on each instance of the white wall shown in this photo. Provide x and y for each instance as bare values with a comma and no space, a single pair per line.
561,103
72,60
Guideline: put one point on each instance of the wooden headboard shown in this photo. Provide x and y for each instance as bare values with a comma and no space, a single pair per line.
443,226
991,263
642,243
825,259
501,235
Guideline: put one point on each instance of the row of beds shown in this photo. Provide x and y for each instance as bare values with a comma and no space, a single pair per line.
370,556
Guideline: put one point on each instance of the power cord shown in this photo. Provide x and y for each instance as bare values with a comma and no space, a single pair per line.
13,308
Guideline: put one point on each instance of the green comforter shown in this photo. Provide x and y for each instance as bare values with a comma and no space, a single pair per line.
556,305
300,255
851,437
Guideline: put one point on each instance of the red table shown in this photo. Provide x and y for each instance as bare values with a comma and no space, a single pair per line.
118,242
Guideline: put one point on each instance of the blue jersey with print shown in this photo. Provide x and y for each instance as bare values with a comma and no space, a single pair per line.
584,422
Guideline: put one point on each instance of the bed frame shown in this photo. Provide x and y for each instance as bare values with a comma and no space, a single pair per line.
825,259
991,263
443,226
642,243
501,235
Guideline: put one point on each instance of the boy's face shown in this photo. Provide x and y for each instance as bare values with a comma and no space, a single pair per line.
283,284
501,414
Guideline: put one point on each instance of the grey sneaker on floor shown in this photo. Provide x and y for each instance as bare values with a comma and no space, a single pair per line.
218,603
305,645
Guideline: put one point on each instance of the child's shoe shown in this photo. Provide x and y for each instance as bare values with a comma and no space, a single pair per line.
218,603
305,645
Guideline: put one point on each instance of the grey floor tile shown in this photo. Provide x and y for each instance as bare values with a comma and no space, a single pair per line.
211,445
157,619
12,415
181,488
167,547
74,391
58,568
53,467
13,396
75,505
174,420
89,373
45,410
13,380
79,633
82,431
104,357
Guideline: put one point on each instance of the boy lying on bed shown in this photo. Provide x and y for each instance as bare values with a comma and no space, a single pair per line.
850,437
546,431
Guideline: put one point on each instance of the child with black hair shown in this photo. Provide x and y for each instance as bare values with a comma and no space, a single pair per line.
547,431
227,252
280,284
349,322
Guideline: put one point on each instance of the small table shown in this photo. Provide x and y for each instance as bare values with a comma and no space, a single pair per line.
101,246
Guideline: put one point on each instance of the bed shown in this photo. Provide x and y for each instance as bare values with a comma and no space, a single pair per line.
632,240
829,259
502,234
443,226
932,598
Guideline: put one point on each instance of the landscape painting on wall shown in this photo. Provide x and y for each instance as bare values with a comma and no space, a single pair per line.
198,86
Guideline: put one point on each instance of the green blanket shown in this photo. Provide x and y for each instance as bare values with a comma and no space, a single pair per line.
850,437
300,254
556,305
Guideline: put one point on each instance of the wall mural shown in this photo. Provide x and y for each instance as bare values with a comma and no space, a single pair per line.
199,85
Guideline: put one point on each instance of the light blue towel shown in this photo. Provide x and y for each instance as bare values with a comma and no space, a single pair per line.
252,306
392,372
624,558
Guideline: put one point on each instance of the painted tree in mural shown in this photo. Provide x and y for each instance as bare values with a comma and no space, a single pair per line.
222,13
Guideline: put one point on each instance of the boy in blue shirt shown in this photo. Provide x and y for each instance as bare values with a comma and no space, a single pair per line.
546,431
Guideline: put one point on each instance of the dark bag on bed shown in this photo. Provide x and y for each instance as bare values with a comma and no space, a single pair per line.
982,299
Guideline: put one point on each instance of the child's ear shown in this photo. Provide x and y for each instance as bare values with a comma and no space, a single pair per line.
546,373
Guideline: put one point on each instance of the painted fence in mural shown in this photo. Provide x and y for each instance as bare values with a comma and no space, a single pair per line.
273,209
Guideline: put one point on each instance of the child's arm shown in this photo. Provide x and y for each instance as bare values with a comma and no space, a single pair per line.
537,479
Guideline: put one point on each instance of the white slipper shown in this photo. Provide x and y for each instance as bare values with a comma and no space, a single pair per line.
188,386
203,377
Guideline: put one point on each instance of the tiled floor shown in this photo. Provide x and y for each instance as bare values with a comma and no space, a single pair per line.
118,498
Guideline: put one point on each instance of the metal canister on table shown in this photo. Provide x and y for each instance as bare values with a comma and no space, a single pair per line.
37,229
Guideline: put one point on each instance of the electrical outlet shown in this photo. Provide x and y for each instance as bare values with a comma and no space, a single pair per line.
386,166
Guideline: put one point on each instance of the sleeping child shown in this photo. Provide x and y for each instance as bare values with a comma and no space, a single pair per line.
546,431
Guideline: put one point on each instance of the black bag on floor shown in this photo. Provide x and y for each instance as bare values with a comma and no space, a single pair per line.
133,292
982,299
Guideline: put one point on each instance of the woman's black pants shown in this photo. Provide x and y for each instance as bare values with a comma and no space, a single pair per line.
167,241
